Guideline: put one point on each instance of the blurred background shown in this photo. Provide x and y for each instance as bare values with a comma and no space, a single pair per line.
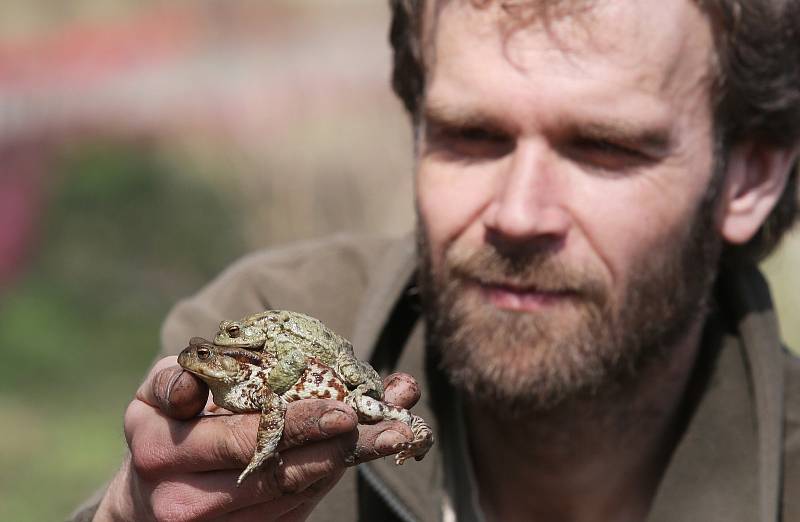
145,146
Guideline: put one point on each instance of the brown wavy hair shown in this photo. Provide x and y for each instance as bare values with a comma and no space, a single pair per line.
755,90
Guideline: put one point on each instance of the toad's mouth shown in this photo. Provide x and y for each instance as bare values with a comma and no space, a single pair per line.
187,365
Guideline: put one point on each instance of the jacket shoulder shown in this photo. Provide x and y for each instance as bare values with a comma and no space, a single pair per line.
791,503
791,363
326,278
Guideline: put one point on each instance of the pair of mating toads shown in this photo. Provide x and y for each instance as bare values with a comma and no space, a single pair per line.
268,359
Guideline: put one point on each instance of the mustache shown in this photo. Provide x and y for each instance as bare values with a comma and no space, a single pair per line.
529,270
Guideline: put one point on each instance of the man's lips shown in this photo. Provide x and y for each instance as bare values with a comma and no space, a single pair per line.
524,298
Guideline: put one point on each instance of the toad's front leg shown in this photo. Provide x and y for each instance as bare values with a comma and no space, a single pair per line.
290,366
270,430
360,377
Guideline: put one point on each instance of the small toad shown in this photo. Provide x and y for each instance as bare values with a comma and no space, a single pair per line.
239,380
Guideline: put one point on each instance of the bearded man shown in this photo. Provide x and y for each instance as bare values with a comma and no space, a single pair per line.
595,182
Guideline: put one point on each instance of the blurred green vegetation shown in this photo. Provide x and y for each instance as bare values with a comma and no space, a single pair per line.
125,236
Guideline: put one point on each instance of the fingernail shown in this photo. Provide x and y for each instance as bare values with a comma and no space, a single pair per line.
178,394
176,374
333,421
387,440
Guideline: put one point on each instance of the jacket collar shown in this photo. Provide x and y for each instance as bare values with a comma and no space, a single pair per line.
727,465
416,486
757,325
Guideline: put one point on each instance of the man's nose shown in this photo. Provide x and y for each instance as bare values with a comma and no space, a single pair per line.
530,196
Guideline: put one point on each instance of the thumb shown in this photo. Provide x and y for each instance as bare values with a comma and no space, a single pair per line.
174,391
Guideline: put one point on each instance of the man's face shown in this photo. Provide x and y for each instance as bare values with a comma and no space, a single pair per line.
562,189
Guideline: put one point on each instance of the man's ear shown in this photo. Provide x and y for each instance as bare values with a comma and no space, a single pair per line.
755,179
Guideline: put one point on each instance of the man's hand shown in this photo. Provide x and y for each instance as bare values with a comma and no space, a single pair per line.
184,467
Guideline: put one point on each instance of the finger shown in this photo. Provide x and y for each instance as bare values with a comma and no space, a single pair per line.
379,440
174,391
285,509
162,445
401,389
214,495
316,419
299,513
145,393
305,475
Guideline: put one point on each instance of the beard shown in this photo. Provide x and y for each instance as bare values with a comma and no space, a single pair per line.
587,343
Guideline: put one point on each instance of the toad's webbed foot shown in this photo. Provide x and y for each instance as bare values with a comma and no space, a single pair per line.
370,411
419,446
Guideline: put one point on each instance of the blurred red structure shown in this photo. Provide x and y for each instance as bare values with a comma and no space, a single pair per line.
238,73
21,202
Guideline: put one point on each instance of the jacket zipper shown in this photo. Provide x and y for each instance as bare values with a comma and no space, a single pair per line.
383,491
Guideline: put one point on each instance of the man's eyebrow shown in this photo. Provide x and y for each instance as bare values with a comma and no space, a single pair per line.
439,116
652,137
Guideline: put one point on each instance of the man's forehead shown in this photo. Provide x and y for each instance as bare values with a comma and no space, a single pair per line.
521,8
669,37
536,11
511,15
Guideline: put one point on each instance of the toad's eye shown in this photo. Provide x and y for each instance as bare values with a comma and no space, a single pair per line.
203,353
234,330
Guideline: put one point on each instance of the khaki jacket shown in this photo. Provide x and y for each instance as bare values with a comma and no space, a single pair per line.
738,458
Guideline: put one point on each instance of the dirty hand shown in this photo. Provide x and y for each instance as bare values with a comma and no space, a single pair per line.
184,467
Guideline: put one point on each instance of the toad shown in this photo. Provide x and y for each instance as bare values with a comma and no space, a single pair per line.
245,381
283,334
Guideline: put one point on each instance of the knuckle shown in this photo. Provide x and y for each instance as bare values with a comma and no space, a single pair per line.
267,484
289,479
171,504
171,512
238,445
149,461
132,421
303,487
129,424
295,477
165,510
297,431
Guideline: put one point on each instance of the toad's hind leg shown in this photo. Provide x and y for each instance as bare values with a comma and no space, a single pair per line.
270,430
370,410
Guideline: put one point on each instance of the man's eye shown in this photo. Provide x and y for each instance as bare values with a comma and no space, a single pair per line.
607,154
470,143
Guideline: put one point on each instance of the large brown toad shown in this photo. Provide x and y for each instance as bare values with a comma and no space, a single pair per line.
240,381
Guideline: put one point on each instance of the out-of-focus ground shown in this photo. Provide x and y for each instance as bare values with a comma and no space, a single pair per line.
143,147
